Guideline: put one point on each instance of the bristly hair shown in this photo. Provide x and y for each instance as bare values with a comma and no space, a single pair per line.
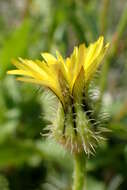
49,105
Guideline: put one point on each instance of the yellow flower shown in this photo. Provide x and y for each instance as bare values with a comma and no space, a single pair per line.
68,79
58,74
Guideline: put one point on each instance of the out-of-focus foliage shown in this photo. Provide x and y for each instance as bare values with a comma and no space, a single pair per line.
27,160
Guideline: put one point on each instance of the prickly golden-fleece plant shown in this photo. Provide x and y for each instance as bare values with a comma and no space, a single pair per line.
69,80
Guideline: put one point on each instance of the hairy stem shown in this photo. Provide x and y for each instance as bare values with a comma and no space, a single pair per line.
79,171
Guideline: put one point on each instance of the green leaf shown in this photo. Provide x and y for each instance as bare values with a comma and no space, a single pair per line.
14,46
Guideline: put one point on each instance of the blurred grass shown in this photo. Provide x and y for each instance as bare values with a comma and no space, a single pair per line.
27,161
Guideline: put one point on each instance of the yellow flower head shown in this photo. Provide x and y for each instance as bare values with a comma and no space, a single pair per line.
67,79
58,74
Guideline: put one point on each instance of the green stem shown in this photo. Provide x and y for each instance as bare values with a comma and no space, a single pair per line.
103,16
79,171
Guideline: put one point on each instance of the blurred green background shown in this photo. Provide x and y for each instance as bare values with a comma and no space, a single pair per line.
27,27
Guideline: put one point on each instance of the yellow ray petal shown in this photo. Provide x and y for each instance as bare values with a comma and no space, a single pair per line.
50,70
79,62
40,73
19,65
74,63
50,59
40,69
34,68
71,61
19,72
62,66
93,66
29,80
93,51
